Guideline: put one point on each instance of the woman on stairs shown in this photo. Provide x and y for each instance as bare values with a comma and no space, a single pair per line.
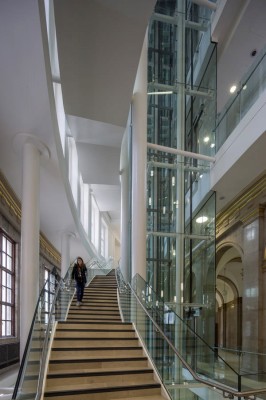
79,274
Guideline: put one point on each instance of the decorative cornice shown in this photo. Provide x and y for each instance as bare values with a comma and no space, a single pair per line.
233,213
9,197
49,249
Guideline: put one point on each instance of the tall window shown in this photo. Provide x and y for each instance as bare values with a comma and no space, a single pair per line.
104,239
94,222
49,292
7,285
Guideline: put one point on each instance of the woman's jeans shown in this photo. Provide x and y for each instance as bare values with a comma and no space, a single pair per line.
80,290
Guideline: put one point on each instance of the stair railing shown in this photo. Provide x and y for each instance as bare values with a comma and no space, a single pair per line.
180,356
32,368
31,374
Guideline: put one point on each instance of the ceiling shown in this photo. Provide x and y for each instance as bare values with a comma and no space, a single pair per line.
99,44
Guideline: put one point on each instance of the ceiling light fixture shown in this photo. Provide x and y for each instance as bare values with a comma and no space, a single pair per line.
233,89
206,139
155,93
201,220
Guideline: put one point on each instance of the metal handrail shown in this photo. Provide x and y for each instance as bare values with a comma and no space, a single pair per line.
25,353
62,283
227,391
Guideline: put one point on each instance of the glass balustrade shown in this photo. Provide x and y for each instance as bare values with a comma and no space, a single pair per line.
186,364
32,370
249,90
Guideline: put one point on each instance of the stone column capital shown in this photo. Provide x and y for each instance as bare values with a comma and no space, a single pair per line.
22,138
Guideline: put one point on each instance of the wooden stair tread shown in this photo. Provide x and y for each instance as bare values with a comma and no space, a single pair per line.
96,371
112,368
100,372
153,397
102,387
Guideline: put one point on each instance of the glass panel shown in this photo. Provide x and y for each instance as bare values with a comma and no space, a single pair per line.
9,296
9,248
43,321
8,280
9,263
4,260
248,92
182,358
3,243
4,278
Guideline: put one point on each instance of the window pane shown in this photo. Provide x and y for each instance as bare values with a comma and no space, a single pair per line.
8,313
3,328
3,243
3,278
9,296
3,259
3,312
4,293
8,280
8,328
9,263
9,248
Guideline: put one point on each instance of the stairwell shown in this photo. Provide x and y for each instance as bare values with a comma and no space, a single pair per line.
95,355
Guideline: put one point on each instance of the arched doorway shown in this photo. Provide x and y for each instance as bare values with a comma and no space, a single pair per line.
229,289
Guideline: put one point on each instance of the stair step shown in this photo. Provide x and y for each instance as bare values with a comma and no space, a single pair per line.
94,325
94,318
98,393
94,343
95,356
95,353
82,310
100,378
75,334
88,363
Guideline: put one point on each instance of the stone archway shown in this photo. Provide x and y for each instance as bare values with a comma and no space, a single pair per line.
229,290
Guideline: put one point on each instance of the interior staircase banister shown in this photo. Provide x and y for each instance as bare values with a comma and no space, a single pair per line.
227,391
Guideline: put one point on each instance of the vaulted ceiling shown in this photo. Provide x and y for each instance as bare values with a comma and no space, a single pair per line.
99,44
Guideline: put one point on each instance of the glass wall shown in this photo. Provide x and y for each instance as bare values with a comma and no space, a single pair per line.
248,91
181,115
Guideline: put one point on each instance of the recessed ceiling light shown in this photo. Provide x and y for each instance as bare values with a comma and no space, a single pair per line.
233,89
202,219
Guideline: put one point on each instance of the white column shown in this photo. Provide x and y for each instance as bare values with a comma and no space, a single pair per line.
65,252
139,160
125,206
30,231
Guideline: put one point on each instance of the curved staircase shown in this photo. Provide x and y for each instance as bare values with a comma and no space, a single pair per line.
95,355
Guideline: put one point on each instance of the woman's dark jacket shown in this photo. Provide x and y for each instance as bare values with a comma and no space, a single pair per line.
79,273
